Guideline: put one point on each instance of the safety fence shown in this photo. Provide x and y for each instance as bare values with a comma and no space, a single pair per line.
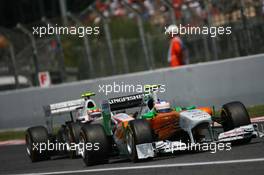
69,59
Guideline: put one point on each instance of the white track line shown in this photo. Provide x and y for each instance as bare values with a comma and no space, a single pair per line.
152,166
12,142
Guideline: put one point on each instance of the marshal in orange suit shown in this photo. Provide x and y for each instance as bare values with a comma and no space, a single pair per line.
177,51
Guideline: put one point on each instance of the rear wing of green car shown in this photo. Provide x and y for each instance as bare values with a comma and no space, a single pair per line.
118,103
135,100
125,102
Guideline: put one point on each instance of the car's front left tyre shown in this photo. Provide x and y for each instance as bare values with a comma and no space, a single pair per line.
138,132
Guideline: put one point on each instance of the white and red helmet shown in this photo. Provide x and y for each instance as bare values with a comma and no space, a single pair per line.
162,106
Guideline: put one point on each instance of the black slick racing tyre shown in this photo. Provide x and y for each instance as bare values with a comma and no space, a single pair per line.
63,137
73,132
34,137
95,136
233,115
138,132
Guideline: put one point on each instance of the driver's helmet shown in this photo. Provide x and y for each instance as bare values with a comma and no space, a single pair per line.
162,106
93,111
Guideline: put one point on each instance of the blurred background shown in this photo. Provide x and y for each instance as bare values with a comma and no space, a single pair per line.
131,36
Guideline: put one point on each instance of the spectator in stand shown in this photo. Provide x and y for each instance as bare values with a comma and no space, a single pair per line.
133,4
177,4
116,8
165,13
263,8
149,6
193,13
145,7
102,7
196,7
113,5
120,11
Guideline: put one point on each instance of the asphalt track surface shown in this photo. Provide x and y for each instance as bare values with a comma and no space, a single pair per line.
241,160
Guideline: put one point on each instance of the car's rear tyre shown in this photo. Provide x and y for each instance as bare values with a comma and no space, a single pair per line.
138,132
62,134
94,134
63,137
234,114
34,137
73,131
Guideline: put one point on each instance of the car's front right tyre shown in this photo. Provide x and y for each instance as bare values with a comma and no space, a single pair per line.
234,115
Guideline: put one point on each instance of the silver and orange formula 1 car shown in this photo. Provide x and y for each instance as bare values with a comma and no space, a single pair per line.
155,128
